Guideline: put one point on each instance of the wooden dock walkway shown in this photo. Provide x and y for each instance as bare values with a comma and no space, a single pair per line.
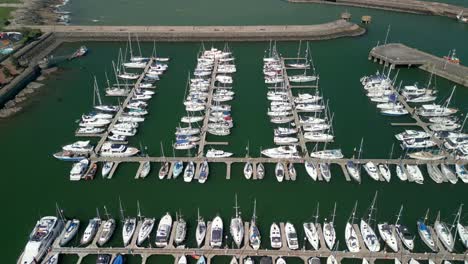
398,54
209,101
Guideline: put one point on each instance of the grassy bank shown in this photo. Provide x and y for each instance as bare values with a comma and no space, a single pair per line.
4,15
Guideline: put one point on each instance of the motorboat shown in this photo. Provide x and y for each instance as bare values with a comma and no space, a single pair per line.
164,230
327,154
318,137
433,110
302,78
311,169
79,147
283,152
426,155
145,230
285,140
236,227
189,172
371,169
182,260
216,232
52,259
248,170
411,134
331,260
69,232
291,236
275,236
78,170
315,127
394,112
109,149
184,144
284,131
214,153
90,130
103,259
70,156
90,231
106,168
192,119
204,172
279,171
178,169
280,260
119,259
46,230
387,234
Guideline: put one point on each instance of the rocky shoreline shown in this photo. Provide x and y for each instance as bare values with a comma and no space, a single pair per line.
36,12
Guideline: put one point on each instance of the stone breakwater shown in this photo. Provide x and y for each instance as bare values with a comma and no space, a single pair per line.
331,30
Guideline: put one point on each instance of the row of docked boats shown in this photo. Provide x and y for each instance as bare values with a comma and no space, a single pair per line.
440,118
207,95
140,232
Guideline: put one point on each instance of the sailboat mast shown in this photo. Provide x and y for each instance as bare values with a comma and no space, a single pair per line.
317,213
399,215
97,213
139,211
254,217
96,89
334,212
138,44
130,46
371,210
235,206
353,214
426,216
121,209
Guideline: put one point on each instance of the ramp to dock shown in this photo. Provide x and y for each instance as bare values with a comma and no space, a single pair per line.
398,54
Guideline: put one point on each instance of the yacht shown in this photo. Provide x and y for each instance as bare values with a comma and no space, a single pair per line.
117,150
90,231
204,172
78,170
279,171
237,227
311,234
178,169
164,230
327,154
463,233
145,230
200,231
292,171
433,110
213,153
318,137
275,236
371,169
411,134
46,230
302,78
387,234
405,236
354,170
254,232
351,238
444,234
291,236
79,147
69,232
106,168
189,172
370,238
216,232
181,230
282,152
311,169
164,170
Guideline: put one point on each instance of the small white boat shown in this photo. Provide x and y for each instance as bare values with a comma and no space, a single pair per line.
415,173
311,169
248,170
189,172
291,236
216,232
200,231
275,236
327,154
145,230
279,171
385,172
400,172
214,153
371,169
325,171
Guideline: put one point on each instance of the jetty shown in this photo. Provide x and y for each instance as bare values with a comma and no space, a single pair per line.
208,252
330,30
398,54
406,6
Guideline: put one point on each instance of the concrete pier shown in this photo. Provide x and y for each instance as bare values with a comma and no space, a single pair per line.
398,54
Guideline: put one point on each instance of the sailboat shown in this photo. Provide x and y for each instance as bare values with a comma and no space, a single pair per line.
145,228
237,226
444,233
189,172
108,228
248,168
462,230
91,229
99,105
425,233
329,231
260,171
254,232
387,233
352,241
403,232
310,230
164,170
200,231
311,169
331,259
129,226
354,170
370,238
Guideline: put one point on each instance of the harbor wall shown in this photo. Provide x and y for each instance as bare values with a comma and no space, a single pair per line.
406,6
331,30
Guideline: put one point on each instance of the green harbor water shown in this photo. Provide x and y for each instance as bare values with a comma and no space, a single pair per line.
33,181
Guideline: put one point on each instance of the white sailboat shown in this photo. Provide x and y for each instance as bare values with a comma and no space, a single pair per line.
351,238
129,226
145,228
254,232
310,230
403,232
329,232
200,231
425,233
370,238
237,226
444,233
